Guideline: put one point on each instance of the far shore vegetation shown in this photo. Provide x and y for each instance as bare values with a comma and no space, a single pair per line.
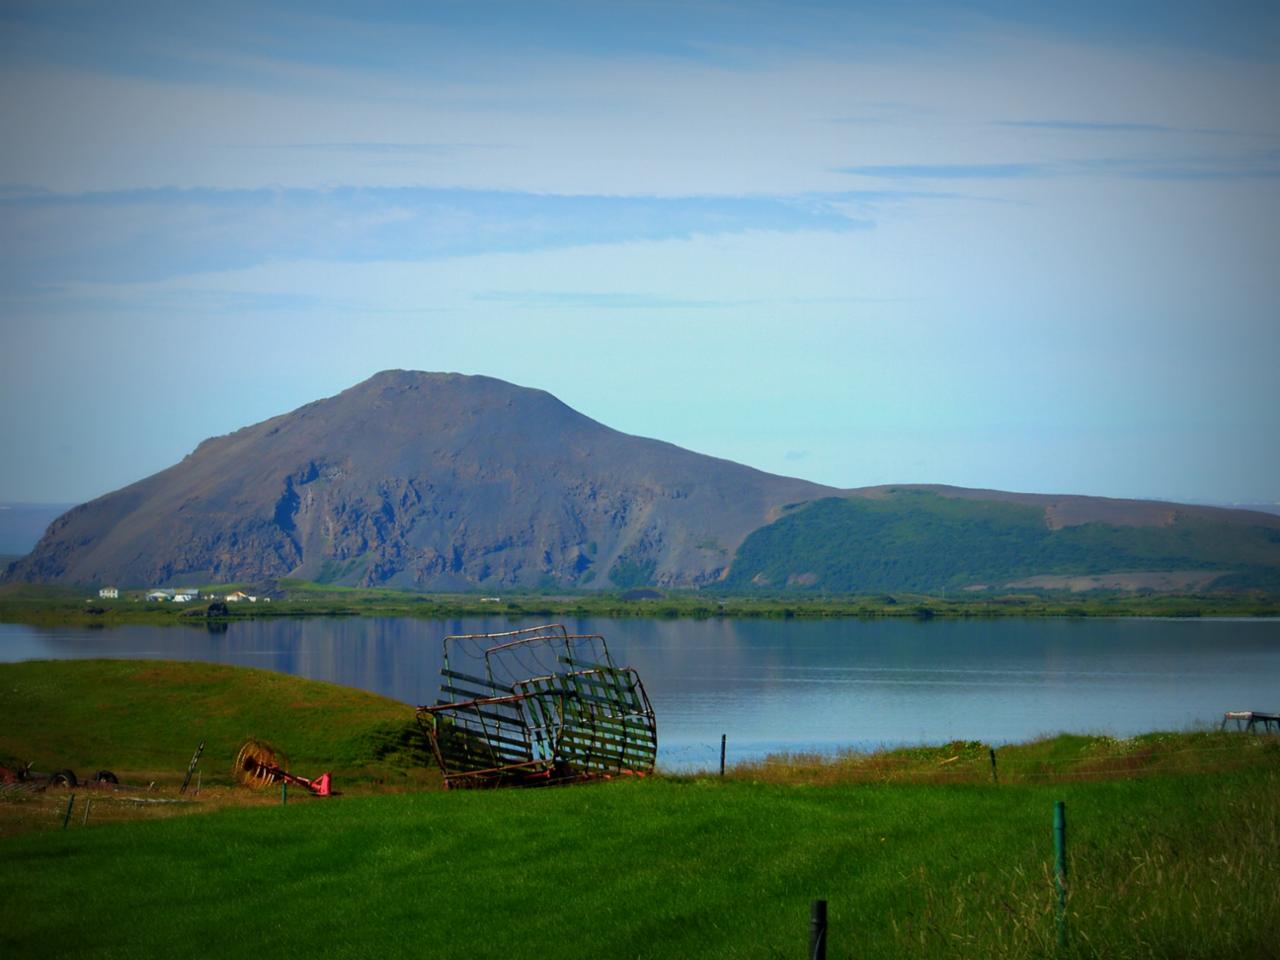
32,603
296,598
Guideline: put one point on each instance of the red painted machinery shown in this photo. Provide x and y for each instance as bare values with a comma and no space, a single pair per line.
259,765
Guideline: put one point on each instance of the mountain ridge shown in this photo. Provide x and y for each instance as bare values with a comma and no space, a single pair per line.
422,480
443,481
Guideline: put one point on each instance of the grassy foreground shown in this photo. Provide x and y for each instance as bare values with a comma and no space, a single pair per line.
1177,867
1163,862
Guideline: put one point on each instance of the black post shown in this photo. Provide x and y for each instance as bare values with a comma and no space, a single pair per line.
994,777
818,930
722,740
66,817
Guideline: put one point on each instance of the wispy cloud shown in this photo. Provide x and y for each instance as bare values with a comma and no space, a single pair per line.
152,234
1263,165
1120,127
1087,125
950,171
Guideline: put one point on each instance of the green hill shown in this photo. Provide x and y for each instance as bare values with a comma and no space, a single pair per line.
916,540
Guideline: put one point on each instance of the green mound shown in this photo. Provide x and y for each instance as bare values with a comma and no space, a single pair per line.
145,717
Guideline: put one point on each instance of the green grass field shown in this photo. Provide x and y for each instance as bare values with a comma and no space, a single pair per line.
1173,843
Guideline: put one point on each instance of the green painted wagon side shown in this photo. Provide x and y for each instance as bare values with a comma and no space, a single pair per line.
550,707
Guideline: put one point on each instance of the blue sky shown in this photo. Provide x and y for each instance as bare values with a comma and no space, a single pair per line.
1006,245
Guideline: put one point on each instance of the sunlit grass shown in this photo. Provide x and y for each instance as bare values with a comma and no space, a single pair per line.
1172,842
1162,866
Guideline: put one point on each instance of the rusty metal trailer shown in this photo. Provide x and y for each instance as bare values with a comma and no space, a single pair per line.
537,706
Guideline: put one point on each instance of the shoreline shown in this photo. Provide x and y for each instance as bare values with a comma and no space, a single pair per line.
62,606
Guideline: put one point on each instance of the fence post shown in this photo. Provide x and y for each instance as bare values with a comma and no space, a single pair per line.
818,930
1060,867
722,742
284,792
994,776
87,804
195,758
66,817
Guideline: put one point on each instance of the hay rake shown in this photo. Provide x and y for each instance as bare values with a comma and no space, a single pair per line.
537,706
258,765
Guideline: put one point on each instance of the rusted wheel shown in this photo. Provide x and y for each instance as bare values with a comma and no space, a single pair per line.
63,778
106,776
257,763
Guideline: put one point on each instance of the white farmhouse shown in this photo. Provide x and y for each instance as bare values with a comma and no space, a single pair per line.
109,593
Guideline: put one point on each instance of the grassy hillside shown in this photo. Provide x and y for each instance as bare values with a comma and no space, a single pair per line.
142,719
913,540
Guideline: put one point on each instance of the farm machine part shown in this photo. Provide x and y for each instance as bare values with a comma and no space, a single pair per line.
258,765
59,778
537,706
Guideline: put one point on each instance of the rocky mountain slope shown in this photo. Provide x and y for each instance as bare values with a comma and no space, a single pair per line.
422,480
448,482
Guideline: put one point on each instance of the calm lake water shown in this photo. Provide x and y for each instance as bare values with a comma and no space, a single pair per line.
791,685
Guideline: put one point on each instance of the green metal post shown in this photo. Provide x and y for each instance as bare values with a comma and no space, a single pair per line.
66,817
284,792
1060,867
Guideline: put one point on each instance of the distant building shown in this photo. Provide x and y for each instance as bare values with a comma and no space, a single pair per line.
109,593
159,595
186,596
238,595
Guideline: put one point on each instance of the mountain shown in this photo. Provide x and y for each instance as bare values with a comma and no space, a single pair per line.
448,482
422,480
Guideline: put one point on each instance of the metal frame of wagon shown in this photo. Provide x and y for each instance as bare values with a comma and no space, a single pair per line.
552,707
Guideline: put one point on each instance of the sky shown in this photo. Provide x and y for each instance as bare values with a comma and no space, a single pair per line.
994,244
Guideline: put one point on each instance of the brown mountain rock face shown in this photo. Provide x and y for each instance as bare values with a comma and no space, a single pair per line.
422,480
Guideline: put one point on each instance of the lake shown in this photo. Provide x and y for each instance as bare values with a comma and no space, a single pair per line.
788,685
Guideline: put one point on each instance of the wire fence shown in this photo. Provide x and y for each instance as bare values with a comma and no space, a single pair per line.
35,804
968,763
